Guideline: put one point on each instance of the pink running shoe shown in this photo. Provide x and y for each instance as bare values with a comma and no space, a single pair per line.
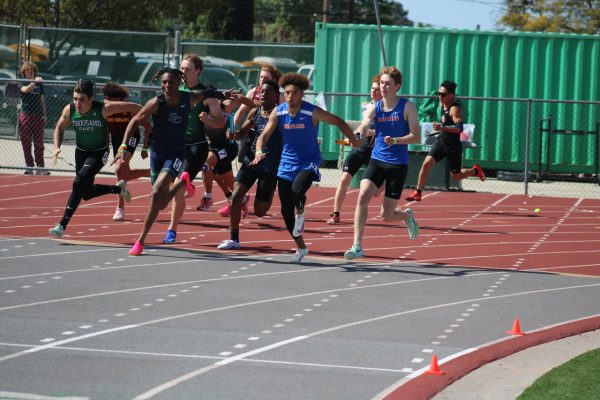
191,189
225,211
137,249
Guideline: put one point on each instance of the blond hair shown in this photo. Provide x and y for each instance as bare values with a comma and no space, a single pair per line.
28,65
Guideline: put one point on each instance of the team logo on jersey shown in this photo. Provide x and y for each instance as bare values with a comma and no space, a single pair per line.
391,118
174,118
293,126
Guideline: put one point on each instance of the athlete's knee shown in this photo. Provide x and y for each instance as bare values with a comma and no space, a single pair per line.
428,163
159,197
237,197
86,191
261,208
364,197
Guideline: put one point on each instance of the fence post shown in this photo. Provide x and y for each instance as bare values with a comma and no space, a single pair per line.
177,49
527,142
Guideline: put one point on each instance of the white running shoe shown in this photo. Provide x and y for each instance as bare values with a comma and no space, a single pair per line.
119,214
58,231
124,192
411,225
300,253
299,225
229,245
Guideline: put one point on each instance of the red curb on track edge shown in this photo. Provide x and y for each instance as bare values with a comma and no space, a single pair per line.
424,386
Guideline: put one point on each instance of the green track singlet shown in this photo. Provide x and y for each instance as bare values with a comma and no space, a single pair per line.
91,129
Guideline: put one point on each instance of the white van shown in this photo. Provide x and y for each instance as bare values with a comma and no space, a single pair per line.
309,71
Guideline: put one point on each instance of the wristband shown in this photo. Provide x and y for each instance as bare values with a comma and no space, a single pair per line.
122,148
145,148
258,152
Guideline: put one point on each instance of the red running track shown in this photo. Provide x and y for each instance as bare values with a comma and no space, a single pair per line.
463,229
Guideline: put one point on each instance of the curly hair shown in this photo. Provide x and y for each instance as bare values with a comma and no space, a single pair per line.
394,73
168,70
112,89
298,80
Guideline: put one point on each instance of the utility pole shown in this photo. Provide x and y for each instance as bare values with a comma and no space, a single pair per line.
325,10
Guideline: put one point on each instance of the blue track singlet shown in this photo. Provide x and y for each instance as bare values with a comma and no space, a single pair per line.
390,123
300,142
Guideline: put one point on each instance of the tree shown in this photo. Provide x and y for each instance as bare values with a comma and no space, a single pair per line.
567,16
139,15
294,20
223,20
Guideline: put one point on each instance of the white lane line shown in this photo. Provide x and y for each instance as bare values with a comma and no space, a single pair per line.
32,396
159,286
202,357
65,341
62,253
29,197
93,269
167,385
54,344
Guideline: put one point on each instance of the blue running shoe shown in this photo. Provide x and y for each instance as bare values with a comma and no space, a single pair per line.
170,237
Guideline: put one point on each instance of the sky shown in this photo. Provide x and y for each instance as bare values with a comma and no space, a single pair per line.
455,14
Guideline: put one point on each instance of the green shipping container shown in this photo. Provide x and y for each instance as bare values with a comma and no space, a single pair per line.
503,65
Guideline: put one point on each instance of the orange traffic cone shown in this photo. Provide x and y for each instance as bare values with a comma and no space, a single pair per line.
434,369
516,329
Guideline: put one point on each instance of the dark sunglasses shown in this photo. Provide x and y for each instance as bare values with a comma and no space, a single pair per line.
442,94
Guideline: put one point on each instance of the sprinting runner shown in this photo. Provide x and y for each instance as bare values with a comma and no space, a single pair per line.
448,142
264,173
222,150
298,122
117,123
266,72
396,126
196,147
88,118
170,111
356,158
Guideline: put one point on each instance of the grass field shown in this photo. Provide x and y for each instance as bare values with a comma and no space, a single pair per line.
576,379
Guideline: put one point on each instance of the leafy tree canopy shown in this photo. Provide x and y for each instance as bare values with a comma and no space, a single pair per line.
567,16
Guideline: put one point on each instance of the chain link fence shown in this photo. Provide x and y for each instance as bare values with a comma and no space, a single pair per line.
547,147
556,142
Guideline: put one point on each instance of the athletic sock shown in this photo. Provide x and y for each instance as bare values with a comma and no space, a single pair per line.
235,235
